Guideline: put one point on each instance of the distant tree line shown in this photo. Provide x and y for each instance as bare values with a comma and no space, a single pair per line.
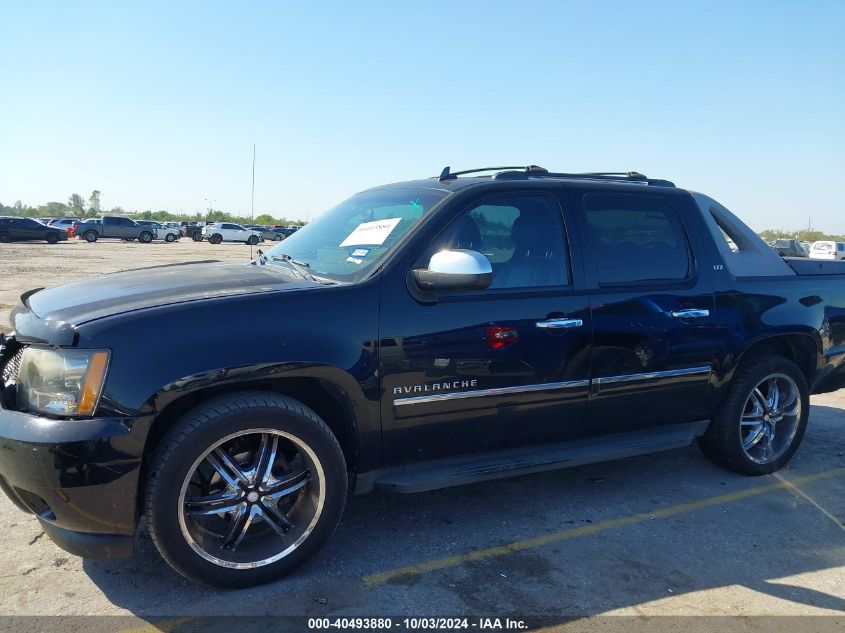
78,207
803,235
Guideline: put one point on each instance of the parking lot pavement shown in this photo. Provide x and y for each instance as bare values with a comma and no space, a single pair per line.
663,534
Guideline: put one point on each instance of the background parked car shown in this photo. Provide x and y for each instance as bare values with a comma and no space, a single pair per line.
20,229
162,232
267,234
229,232
285,231
63,223
789,248
826,249
114,226
192,230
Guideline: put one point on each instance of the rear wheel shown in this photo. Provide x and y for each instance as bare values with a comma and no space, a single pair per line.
145,237
5,238
91,236
277,238
244,489
253,240
52,238
197,237
216,238
760,424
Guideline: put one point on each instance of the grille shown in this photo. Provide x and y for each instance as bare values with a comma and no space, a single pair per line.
10,370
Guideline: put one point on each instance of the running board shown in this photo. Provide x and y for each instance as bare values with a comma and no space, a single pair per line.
472,469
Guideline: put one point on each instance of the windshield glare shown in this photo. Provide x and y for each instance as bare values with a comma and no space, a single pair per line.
345,243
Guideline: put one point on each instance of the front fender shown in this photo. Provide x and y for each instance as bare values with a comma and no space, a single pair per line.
248,340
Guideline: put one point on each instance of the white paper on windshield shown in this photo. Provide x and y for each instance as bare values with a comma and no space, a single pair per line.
371,232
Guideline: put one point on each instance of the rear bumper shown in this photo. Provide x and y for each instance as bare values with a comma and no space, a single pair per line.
79,477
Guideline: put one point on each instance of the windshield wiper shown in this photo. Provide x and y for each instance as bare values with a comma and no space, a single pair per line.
297,266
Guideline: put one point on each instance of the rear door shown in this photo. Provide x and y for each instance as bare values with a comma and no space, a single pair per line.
14,227
229,231
490,369
652,313
32,229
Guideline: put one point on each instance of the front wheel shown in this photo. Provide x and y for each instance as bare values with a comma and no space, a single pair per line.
52,238
197,237
170,237
762,420
145,238
244,489
277,238
253,240
5,238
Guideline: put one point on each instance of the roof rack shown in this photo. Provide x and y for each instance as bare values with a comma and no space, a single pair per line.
535,171
452,175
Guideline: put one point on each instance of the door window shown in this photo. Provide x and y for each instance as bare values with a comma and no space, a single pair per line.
521,234
636,239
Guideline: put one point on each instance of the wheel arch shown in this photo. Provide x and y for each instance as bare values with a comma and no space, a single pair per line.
802,348
326,397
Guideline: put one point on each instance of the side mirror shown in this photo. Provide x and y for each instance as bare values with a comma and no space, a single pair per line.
455,270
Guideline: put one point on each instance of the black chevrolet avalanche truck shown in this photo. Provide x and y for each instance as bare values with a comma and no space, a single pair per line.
458,329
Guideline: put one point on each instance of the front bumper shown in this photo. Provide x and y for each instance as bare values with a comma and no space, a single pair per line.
79,477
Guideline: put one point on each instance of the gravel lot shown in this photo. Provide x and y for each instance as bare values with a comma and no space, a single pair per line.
666,534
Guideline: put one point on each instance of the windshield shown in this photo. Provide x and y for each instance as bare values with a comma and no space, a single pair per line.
347,242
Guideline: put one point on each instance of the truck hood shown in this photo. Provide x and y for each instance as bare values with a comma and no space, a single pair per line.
51,315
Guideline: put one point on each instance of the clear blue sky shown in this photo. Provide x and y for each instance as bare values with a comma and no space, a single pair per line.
157,104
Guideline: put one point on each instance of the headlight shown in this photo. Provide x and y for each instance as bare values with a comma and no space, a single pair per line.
62,381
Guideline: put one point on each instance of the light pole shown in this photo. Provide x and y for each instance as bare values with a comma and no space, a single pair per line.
210,202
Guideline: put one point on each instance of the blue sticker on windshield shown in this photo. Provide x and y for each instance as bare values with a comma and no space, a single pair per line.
416,204
360,252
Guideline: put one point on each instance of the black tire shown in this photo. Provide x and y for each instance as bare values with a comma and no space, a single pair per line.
216,238
52,238
145,237
91,236
253,240
170,237
5,238
197,237
723,441
277,238
184,448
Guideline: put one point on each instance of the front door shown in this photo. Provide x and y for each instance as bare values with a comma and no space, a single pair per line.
491,369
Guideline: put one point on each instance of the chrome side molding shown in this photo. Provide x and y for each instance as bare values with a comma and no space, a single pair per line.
692,371
480,393
704,370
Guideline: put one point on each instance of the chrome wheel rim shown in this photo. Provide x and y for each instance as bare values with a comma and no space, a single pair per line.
251,499
770,418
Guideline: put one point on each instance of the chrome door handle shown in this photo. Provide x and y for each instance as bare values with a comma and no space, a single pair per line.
692,313
559,324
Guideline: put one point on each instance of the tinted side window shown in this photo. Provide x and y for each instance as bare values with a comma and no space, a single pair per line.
636,239
522,236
